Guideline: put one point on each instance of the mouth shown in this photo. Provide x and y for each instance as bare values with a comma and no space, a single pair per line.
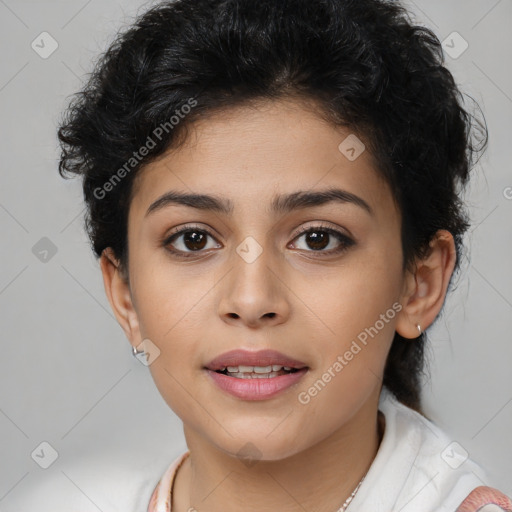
257,372
264,364
255,375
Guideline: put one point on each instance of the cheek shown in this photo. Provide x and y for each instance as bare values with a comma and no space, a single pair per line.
170,299
357,294
172,314
358,308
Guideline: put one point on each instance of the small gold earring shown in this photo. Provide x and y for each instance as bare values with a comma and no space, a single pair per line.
419,328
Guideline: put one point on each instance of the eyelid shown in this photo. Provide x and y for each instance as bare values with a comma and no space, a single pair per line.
190,226
327,226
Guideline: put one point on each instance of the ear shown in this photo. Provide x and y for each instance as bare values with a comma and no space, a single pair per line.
426,287
119,296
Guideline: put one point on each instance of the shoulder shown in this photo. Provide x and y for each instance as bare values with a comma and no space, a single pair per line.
434,447
439,475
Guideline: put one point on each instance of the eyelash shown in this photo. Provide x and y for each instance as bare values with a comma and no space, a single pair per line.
344,240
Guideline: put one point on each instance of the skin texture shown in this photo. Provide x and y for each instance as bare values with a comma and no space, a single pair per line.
309,456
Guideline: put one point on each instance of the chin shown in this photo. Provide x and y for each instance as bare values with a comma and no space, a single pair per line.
251,449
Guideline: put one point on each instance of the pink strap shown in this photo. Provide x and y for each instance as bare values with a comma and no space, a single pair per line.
152,501
482,496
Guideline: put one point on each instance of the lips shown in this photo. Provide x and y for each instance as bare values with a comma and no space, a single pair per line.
258,375
241,357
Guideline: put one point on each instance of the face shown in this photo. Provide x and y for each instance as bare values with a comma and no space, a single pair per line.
319,281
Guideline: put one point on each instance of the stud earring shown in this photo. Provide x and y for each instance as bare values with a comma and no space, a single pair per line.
136,352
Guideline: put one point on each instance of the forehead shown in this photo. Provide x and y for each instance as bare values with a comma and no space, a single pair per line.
250,154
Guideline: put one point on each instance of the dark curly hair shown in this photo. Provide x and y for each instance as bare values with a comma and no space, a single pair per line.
363,64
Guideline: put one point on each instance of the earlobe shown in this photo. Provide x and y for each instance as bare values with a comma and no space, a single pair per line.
119,296
427,286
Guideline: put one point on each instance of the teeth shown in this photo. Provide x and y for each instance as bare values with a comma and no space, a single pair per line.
260,369
257,369
245,375
256,372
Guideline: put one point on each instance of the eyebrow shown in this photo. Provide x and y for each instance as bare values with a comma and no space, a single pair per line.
280,204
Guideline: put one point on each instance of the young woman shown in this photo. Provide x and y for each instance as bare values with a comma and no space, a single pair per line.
273,190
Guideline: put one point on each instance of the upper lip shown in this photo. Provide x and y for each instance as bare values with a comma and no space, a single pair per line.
242,357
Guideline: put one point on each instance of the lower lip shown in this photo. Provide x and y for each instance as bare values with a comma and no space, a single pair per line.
256,389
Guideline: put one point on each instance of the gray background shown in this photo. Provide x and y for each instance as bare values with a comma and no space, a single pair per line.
66,372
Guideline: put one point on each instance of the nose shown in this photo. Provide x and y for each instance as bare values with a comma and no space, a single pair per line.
254,293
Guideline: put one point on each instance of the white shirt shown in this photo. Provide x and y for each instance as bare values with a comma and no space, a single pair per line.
417,467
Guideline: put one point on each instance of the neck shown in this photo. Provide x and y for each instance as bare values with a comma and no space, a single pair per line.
212,480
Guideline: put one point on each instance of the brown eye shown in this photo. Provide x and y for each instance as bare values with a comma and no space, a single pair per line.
187,241
194,240
318,238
